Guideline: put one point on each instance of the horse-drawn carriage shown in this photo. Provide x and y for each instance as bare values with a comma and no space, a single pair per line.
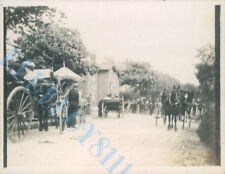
110,104
31,96
181,105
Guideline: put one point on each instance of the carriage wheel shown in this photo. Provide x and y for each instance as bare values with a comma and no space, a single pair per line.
20,112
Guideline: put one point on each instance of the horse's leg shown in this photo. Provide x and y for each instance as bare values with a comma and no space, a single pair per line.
175,122
45,119
168,122
40,118
179,114
40,123
172,121
183,120
165,117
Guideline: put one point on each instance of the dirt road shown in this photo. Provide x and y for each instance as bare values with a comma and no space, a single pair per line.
136,137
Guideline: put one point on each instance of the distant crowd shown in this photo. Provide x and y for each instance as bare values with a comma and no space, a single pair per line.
155,106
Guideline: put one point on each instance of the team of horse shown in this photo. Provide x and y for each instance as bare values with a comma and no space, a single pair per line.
179,105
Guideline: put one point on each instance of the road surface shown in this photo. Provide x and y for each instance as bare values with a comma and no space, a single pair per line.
136,137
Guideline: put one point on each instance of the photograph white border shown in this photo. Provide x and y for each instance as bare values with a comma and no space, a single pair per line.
138,170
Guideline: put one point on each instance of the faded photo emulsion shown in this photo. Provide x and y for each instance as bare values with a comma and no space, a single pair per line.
115,86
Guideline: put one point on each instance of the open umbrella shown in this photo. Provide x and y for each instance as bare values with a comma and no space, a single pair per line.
66,73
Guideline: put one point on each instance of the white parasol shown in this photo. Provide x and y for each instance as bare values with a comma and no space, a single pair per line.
66,73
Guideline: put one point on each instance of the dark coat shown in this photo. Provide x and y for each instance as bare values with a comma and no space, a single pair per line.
73,98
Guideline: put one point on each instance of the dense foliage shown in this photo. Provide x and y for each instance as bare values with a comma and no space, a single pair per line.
146,82
139,77
206,76
42,40
20,19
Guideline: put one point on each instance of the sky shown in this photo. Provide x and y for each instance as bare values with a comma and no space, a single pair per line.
164,34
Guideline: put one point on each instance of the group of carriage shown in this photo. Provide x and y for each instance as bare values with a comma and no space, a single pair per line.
180,105
30,97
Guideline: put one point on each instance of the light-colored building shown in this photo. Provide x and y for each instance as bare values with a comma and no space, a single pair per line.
98,86
108,84
90,88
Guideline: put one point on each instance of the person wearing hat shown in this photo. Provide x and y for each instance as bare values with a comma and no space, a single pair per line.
73,97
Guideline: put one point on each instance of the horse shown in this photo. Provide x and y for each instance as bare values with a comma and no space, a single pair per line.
166,108
174,109
187,107
183,106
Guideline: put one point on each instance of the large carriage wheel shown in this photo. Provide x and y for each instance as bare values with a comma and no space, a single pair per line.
20,112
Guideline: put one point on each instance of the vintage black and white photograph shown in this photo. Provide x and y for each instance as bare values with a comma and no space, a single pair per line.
116,86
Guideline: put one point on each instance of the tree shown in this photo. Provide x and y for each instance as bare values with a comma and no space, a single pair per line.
206,76
189,87
206,72
20,19
50,45
24,20
165,81
139,76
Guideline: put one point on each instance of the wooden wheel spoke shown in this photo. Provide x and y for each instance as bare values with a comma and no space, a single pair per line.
9,113
24,101
11,123
8,118
18,129
14,129
24,124
22,128
14,104
21,98
27,111
25,107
